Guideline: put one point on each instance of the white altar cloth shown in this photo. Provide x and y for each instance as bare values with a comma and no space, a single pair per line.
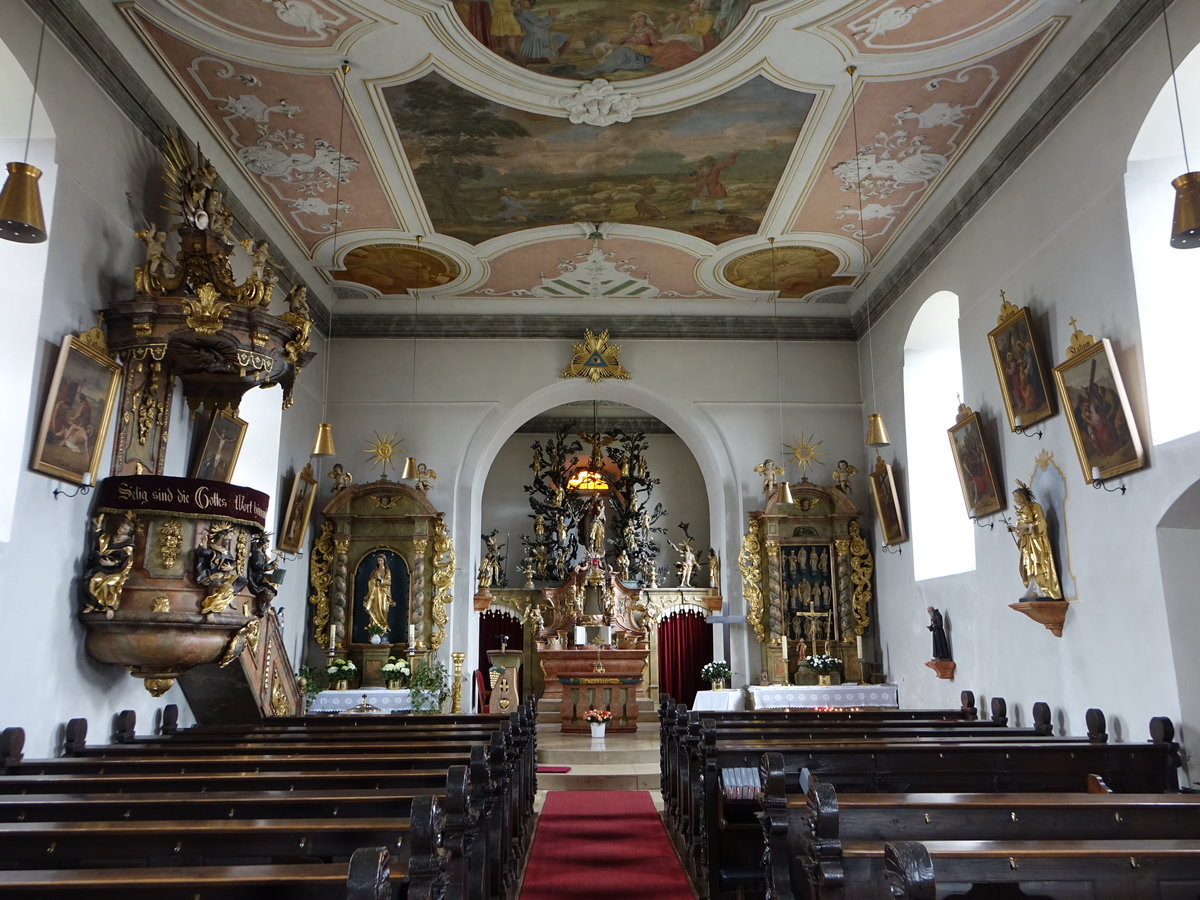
783,696
340,701
720,701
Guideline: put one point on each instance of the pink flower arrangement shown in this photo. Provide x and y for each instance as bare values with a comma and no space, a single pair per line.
597,716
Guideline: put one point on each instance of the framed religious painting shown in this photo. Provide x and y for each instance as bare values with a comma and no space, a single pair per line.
887,503
974,466
1102,425
78,407
1023,382
299,508
218,453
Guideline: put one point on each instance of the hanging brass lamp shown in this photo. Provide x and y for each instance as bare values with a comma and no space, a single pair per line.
877,435
21,218
323,445
410,469
785,494
1185,229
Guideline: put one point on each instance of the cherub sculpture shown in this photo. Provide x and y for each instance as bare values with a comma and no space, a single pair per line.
770,474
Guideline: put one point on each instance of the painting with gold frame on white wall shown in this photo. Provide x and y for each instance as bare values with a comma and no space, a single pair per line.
887,503
1102,425
78,406
299,508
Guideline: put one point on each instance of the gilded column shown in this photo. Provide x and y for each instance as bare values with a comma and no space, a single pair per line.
417,614
776,613
338,607
456,701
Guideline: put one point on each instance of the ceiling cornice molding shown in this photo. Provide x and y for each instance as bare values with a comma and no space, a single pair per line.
70,22
701,328
1090,63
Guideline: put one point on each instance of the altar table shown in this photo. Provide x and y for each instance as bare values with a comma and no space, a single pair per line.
864,696
720,701
340,701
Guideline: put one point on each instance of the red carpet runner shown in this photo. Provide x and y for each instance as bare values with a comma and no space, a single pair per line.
602,845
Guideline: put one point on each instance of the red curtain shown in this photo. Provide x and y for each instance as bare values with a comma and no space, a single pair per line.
493,624
684,646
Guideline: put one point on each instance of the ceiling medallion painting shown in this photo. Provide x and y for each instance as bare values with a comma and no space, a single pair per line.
486,170
796,272
598,38
396,268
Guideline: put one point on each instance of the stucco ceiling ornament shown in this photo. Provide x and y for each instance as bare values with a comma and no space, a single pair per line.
598,103
594,359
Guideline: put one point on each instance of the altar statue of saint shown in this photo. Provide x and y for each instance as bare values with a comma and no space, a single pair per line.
714,569
379,593
687,561
1033,542
596,532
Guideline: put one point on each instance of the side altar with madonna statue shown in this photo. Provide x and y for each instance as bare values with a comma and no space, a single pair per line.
381,573
806,574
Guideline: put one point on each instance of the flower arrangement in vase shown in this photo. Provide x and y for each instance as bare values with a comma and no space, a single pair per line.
341,673
395,672
429,683
377,633
823,665
717,673
598,719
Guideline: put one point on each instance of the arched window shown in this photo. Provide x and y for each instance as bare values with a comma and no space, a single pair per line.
943,542
24,268
1165,278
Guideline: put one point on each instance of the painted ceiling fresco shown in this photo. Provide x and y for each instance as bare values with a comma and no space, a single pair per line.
597,38
558,152
485,170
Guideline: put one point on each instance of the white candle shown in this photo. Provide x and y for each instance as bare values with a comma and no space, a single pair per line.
87,478
1017,421
858,643
332,636
580,635
783,643
1095,473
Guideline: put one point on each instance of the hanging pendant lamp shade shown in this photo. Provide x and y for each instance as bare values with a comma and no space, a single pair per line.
877,435
410,469
323,445
21,218
1185,229
785,495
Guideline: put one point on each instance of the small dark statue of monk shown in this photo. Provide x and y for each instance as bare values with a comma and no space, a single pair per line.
941,646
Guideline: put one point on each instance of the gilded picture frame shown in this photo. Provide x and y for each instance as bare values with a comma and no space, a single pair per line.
217,455
298,510
1102,425
78,407
1023,383
888,511
976,476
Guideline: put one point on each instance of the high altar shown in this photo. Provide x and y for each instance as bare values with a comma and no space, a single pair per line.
593,649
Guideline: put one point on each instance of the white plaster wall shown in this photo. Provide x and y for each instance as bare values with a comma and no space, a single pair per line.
1054,239
718,397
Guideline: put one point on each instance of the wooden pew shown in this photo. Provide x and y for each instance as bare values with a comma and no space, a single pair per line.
804,836
724,848
1103,870
487,834
369,876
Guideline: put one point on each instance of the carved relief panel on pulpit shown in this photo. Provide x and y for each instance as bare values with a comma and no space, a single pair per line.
806,572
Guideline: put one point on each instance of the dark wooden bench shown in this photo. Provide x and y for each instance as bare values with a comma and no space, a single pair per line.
488,831
724,843
804,835
370,875
1102,870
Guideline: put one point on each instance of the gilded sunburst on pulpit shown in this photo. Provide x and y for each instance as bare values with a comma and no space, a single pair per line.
805,454
382,451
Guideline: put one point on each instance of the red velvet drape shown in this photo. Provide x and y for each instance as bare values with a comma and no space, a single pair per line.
684,646
493,624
